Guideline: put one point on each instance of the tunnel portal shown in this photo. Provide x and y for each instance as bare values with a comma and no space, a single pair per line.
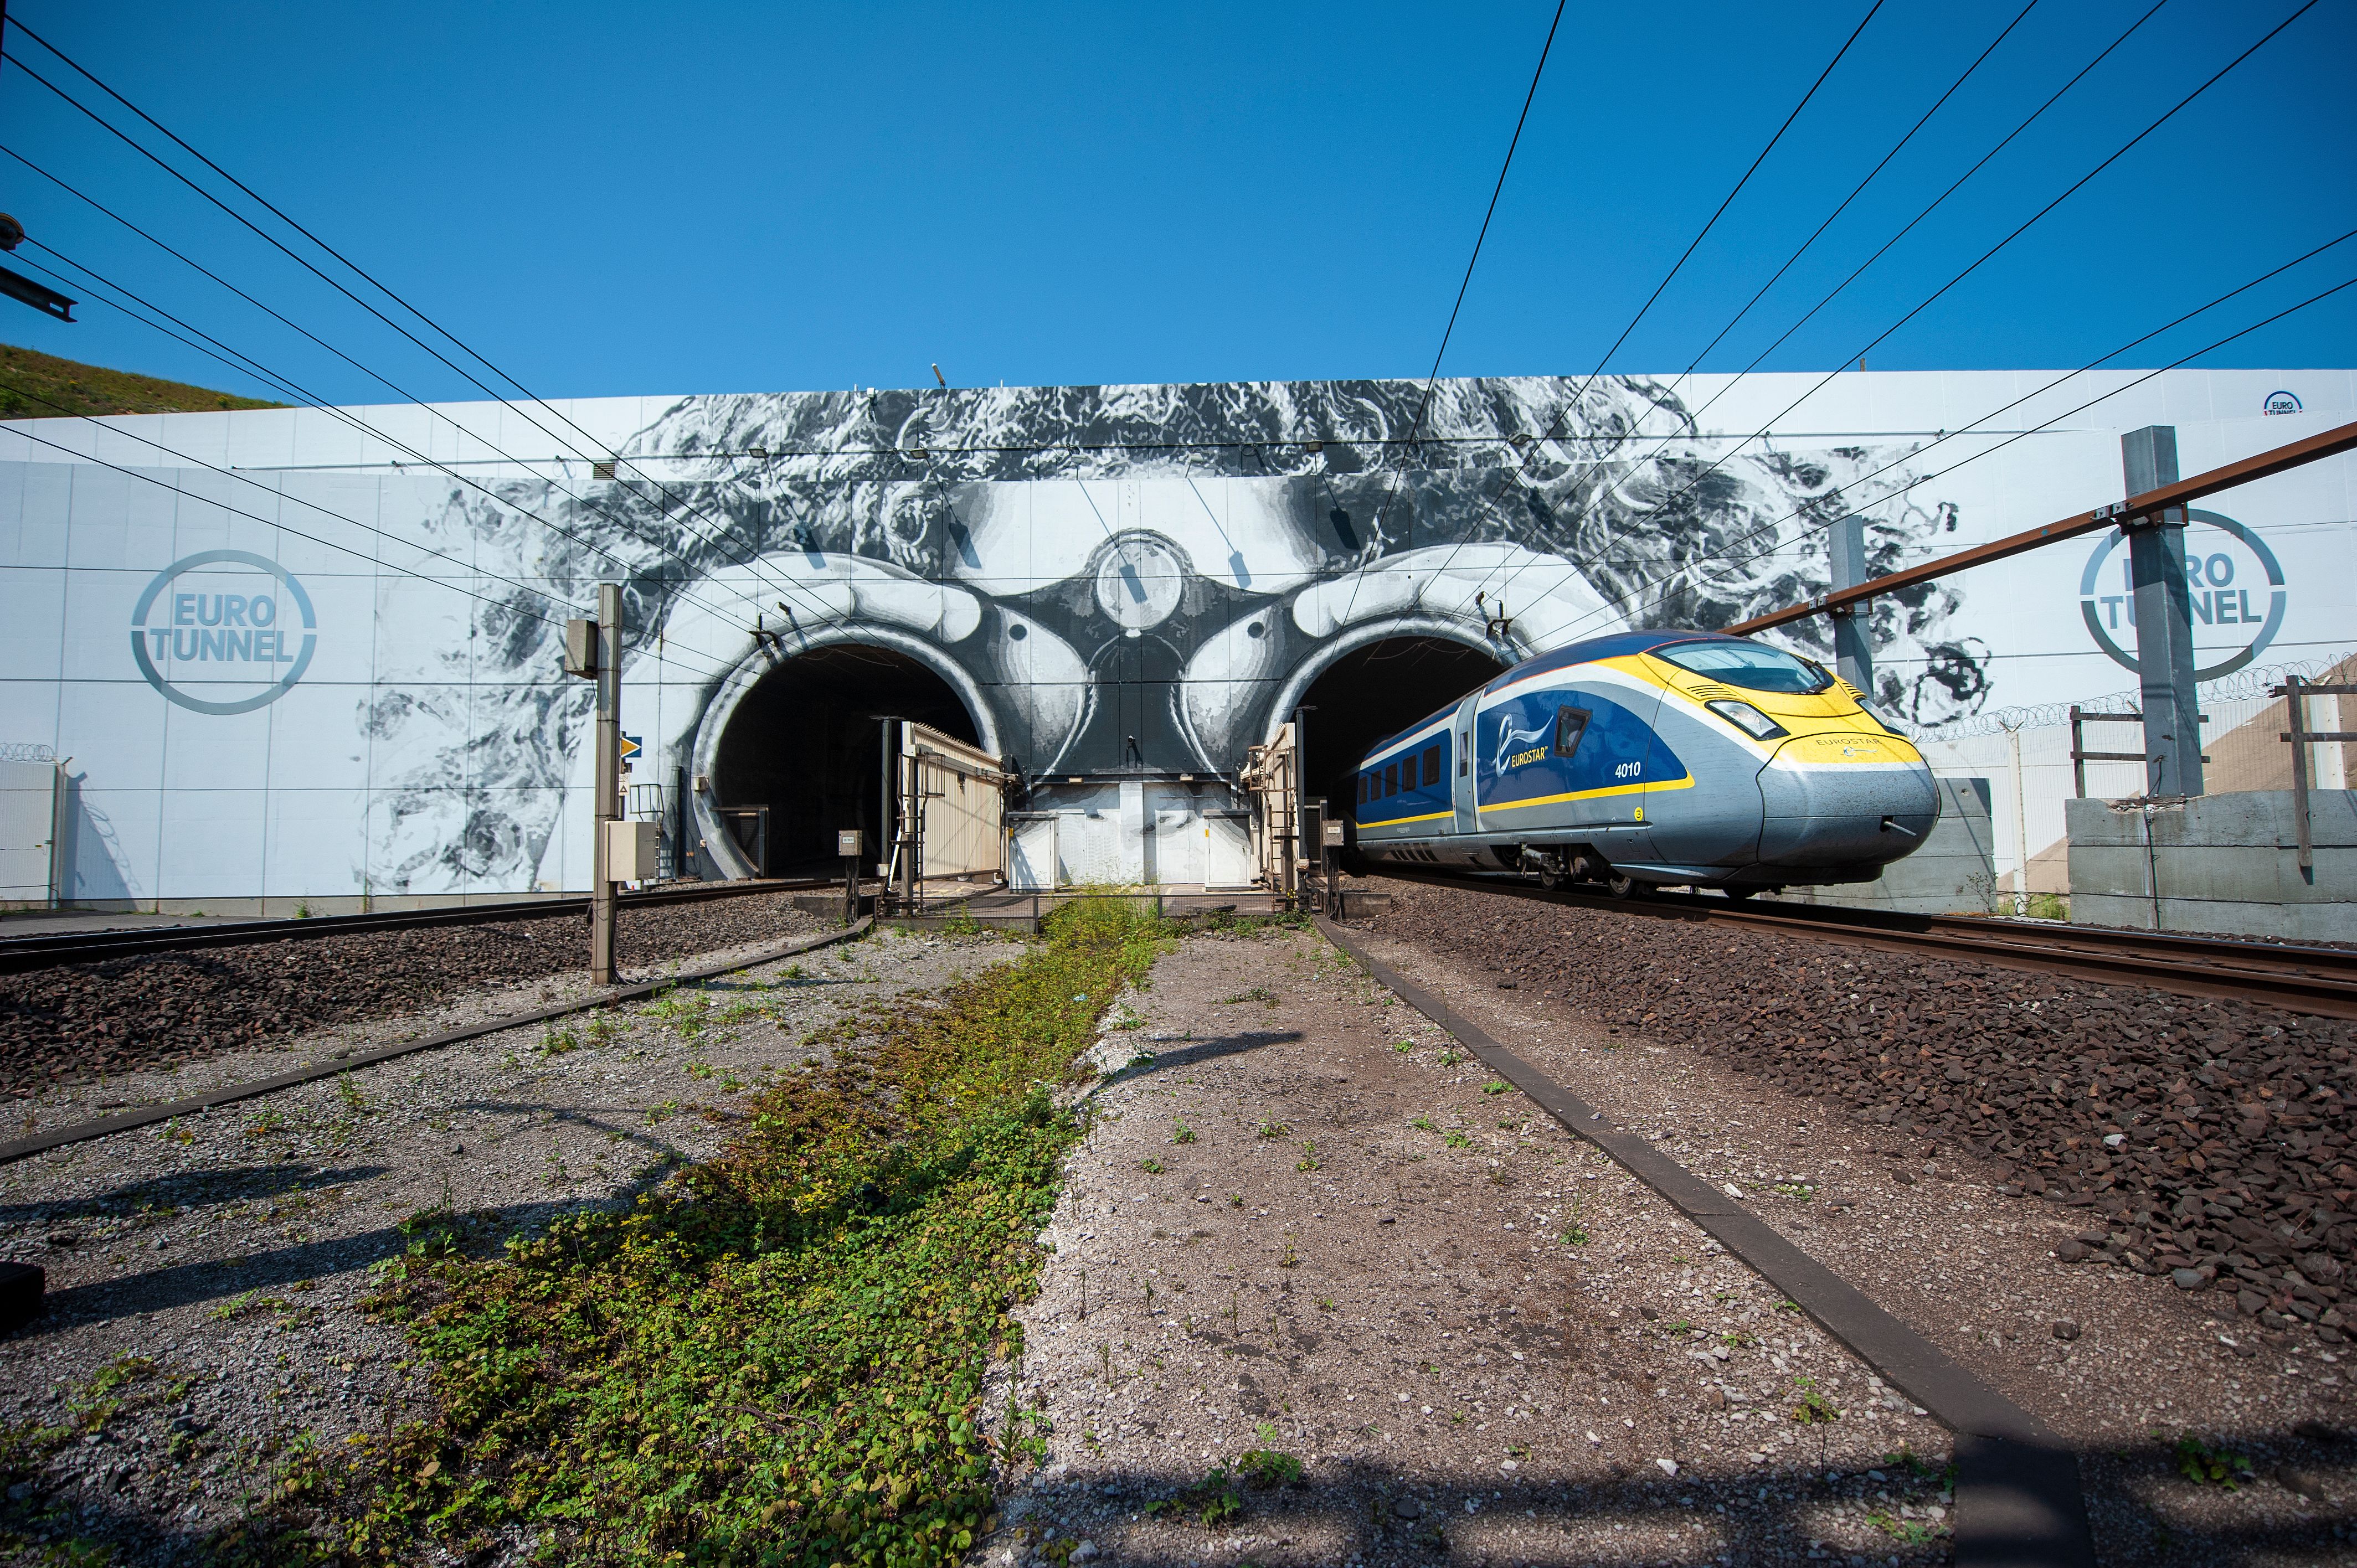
804,742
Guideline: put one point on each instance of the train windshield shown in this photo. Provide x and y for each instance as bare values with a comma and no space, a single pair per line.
1748,665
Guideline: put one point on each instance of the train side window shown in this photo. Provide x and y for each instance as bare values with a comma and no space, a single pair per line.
1391,781
1464,754
1431,766
1363,788
1570,725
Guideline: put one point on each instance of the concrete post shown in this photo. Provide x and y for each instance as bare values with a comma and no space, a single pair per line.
2164,621
1853,642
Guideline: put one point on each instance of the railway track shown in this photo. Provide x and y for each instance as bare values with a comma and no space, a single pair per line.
2311,980
19,954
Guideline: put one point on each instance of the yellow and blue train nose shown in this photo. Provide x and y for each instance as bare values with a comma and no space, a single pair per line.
1842,796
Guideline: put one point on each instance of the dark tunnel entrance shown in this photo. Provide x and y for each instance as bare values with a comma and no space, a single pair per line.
804,742
1377,691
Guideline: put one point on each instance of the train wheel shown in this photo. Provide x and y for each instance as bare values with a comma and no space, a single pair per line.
1739,894
1549,878
1620,887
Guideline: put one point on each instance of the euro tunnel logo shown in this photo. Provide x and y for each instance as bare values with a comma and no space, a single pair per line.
222,623
2235,588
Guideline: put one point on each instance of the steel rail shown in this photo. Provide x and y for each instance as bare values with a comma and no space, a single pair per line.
2018,1503
333,1067
2264,465
2309,980
19,954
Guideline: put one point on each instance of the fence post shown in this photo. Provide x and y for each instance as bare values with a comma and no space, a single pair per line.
2298,735
2078,762
1853,641
2164,620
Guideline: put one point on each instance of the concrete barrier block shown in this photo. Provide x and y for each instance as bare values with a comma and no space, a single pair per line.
2108,910
2227,873
2121,871
2224,863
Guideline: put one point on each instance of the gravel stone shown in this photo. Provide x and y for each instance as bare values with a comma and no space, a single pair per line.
73,1021
2208,1133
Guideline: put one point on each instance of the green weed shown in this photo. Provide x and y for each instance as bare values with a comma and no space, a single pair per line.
1262,1468
1181,1133
776,1357
2206,1466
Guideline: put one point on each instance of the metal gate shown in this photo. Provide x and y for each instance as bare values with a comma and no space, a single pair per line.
1272,780
950,811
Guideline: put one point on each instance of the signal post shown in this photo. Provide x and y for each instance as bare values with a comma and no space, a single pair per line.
593,649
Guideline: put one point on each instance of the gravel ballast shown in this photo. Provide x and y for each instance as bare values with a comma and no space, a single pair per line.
223,1266
2207,1140
72,1023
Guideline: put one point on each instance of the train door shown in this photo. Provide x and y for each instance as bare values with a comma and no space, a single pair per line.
1468,814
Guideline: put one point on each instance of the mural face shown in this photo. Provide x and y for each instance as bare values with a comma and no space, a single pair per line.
1134,577
1116,584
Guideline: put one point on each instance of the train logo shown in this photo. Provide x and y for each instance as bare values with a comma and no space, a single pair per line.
216,632
2281,402
2237,592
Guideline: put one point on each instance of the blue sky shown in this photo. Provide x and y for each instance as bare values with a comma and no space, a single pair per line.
655,199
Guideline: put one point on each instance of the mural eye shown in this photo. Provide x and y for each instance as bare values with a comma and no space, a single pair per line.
1017,633
1255,629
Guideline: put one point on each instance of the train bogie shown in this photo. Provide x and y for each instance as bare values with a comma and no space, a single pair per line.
1651,758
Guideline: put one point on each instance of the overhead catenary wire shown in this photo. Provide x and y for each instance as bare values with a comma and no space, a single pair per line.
1857,190
239,360
781,586
1621,598
750,562
1694,417
1910,225
505,607
1978,261
1684,256
289,496
1424,404
247,364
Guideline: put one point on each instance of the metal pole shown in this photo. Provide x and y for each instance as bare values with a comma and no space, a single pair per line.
1853,643
910,825
2020,825
2295,703
608,785
883,799
1296,857
2164,620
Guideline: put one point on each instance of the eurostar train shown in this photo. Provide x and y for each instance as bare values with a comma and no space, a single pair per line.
1651,759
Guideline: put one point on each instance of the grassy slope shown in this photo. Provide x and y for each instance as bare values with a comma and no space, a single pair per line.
28,377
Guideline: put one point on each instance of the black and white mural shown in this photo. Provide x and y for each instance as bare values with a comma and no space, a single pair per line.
1121,587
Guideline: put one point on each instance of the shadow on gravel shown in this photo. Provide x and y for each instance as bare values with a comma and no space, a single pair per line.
196,1190
1200,1051
185,1284
1752,1518
1744,1521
